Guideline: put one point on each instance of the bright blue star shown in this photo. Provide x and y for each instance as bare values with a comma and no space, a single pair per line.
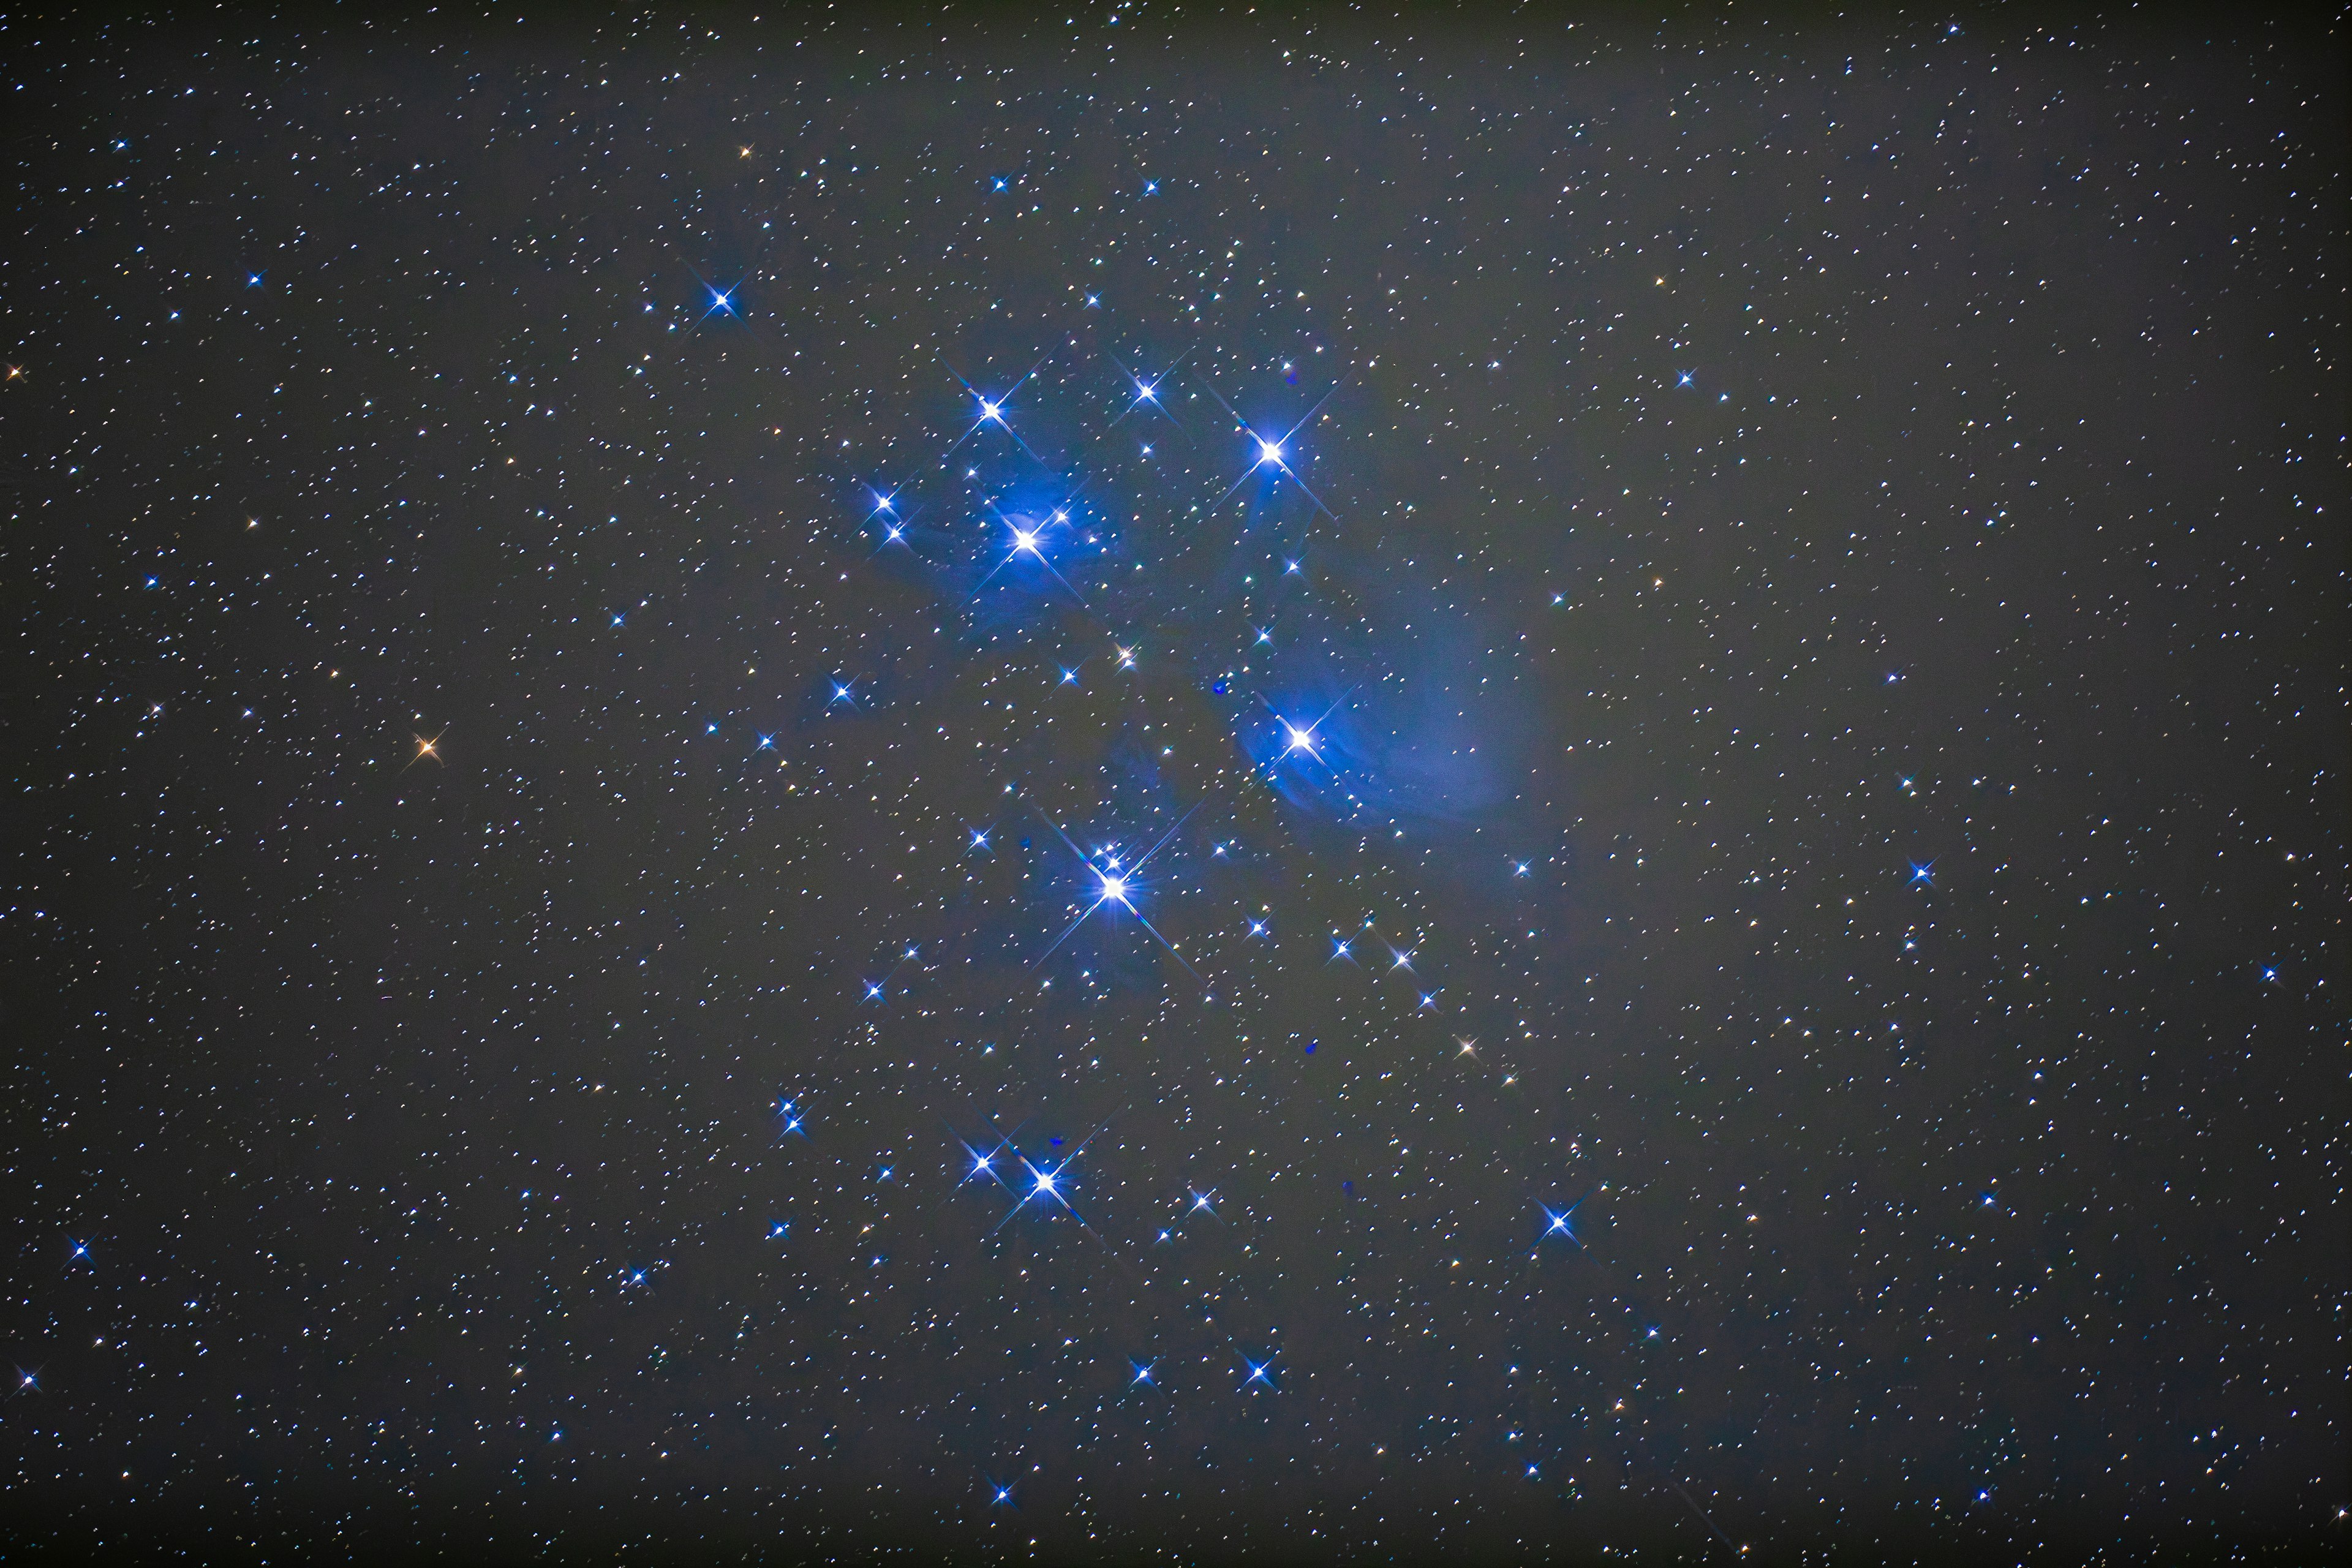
1118,883
1270,452
991,411
1146,391
1028,538
1045,1184
1562,1222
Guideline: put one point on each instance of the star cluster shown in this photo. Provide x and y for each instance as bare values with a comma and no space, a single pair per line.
1328,785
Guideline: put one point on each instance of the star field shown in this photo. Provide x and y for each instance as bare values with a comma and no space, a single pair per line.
1148,783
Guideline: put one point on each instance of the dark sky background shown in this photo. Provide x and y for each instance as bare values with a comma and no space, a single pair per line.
1707,918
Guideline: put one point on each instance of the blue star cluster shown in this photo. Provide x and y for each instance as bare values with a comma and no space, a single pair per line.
1128,784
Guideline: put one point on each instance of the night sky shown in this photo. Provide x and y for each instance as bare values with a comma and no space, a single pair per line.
1140,783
